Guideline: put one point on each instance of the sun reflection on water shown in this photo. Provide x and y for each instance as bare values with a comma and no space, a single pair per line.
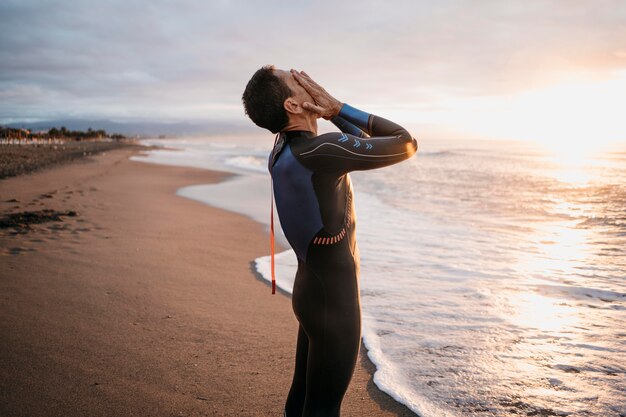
574,163
560,248
556,254
574,175
532,310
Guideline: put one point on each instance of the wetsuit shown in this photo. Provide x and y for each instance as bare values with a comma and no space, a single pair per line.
313,195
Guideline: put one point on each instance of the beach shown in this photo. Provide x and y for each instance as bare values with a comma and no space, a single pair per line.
141,302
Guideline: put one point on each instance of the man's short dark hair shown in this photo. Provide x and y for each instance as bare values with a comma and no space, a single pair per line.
263,99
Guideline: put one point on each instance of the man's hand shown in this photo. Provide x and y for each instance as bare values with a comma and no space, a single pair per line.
325,105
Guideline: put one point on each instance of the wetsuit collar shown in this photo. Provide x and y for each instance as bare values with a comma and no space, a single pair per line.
282,138
298,133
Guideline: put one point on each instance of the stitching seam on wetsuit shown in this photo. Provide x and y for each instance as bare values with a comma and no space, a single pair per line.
325,323
354,153
353,159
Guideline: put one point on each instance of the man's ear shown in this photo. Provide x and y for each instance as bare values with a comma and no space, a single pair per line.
292,106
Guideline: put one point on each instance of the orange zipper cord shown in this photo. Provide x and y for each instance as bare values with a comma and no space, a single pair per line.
272,237
272,249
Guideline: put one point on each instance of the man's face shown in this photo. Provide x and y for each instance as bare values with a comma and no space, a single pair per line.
299,93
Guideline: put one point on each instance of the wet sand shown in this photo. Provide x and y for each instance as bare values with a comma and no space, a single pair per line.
142,302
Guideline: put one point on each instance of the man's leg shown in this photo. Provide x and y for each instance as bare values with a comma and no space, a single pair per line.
330,366
297,393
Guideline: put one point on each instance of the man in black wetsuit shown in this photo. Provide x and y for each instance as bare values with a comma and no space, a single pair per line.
313,195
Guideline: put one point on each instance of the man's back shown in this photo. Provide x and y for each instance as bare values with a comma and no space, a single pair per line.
310,174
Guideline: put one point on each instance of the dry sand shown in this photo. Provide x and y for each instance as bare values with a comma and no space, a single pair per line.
143,303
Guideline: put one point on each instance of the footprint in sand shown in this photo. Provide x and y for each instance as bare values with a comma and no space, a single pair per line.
58,227
16,250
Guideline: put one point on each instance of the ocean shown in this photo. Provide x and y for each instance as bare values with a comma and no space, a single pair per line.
493,273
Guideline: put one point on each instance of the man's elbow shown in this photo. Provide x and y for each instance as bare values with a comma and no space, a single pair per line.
411,147
411,143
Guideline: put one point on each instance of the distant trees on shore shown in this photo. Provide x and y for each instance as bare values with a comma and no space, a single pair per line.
58,133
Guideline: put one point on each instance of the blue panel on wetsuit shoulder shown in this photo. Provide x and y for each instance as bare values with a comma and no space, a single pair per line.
298,208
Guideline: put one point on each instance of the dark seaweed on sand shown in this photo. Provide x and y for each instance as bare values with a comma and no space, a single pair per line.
23,219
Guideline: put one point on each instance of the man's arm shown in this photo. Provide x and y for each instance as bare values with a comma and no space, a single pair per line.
389,142
388,145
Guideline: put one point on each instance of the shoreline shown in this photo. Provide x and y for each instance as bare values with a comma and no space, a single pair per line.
98,320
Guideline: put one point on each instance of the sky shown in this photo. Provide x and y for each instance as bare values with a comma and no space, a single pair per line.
475,69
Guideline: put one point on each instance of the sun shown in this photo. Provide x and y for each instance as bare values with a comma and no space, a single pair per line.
572,118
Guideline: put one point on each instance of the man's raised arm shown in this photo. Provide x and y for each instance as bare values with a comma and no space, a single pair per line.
389,143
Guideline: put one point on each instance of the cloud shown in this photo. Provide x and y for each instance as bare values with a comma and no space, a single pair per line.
189,60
